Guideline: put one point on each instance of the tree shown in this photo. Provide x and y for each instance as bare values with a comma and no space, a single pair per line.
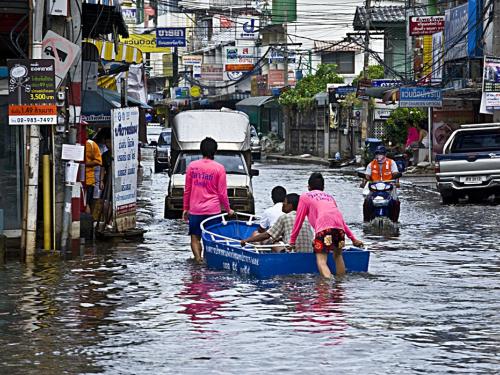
395,130
374,72
302,96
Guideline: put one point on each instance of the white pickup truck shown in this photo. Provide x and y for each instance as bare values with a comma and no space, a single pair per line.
470,163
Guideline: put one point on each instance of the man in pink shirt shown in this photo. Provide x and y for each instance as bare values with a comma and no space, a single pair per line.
204,194
328,224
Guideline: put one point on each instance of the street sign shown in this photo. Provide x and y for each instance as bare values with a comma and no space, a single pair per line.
426,25
124,134
62,51
410,97
192,60
171,37
32,95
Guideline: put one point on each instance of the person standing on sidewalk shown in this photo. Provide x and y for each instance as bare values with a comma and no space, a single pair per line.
204,193
92,160
329,225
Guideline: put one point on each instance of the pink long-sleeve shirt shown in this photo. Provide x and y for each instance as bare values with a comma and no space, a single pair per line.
322,213
206,188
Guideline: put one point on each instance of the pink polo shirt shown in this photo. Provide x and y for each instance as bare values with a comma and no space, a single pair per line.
321,211
206,188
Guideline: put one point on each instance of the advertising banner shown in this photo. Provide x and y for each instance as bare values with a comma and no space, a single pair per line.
426,25
124,134
456,32
239,59
145,42
412,97
212,72
171,37
32,92
168,65
491,81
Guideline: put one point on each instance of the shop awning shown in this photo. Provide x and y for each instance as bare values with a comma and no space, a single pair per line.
123,53
254,101
97,105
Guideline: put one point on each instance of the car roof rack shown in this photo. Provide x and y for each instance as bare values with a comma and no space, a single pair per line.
485,125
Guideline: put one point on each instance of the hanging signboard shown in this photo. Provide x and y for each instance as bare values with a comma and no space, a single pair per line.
412,97
144,42
278,57
171,37
168,65
386,83
196,71
212,72
437,58
491,81
239,59
247,28
32,95
426,25
192,60
124,134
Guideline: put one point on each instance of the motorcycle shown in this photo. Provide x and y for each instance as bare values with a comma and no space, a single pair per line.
381,195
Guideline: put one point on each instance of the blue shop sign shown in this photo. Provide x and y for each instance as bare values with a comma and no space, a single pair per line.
344,90
386,83
171,37
410,97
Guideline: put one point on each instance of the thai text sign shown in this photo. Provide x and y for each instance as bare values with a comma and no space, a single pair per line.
171,37
420,97
124,134
192,60
426,25
212,72
145,42
32,99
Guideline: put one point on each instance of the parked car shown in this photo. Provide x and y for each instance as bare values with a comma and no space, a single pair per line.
470,163
163,148
255,145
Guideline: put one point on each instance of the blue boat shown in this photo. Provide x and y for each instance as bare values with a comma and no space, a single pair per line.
223,251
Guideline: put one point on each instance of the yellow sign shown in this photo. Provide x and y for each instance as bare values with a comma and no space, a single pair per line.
195,91
145,42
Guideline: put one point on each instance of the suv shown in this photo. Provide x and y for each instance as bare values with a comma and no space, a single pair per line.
255,145
162,152
470,163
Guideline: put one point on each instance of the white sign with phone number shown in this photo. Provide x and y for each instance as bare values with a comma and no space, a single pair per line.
125,130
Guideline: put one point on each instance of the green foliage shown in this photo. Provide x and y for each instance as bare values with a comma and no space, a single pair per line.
396,125
302,96
374,72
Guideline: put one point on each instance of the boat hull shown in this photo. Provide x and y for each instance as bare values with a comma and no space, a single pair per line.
229,255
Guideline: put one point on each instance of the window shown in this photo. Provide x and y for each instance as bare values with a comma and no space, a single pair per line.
232,162
343,60
482,141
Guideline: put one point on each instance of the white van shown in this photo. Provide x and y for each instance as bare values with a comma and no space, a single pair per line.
231,130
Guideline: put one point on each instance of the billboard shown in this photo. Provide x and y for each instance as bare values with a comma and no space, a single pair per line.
239,59
145,42
247,28
212,72
491,81
32,95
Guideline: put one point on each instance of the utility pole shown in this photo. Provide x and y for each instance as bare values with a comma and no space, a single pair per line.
31,203
364,112
496,44
285,53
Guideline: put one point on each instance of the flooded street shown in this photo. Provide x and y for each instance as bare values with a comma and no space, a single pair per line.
429,304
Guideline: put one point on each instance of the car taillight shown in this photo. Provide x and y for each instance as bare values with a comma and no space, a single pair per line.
436,167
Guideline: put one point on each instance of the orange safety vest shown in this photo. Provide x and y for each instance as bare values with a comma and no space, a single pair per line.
381,175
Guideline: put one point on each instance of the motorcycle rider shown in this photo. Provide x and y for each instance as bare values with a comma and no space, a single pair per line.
381,168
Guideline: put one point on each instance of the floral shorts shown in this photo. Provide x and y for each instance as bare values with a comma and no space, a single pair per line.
328,240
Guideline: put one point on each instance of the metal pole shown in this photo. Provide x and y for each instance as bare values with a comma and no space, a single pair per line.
285,53
38,8
46,203
496,44
364,112
429,132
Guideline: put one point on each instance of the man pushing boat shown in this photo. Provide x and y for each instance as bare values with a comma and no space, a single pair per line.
328,224
204,194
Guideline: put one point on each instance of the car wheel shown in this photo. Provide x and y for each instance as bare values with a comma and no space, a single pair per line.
449,198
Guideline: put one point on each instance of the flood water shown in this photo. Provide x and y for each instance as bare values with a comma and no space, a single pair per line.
429,304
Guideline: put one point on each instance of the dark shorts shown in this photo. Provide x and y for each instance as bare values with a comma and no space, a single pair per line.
195,221
328,240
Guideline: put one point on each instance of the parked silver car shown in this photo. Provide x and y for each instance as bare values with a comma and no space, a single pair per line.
470,163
